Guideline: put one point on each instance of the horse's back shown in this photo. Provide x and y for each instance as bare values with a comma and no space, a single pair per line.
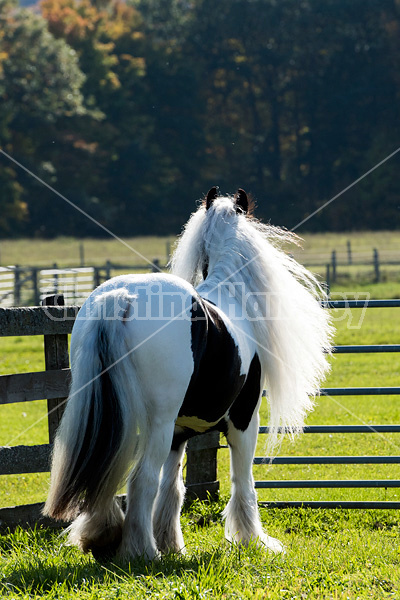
156,301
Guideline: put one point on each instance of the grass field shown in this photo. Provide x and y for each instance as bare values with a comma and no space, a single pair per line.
66,251
330,553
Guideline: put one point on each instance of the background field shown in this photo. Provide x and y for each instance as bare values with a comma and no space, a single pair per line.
66,251
315,251
331,554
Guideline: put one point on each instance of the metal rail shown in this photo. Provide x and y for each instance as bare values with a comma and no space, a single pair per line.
328,483
366,349
342,429
360,391
360,303
327,460
349,504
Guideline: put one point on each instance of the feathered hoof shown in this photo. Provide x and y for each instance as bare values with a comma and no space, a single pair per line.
166,551
170,544
104,546
127,554
103,543
273,545
104,554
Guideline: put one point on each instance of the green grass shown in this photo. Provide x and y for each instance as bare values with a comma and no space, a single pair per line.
330,553
65,251
23,423
364,290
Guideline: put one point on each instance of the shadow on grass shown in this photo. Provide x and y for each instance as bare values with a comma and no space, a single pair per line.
35,563
41,565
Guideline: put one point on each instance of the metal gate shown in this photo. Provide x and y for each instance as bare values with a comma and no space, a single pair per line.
332,429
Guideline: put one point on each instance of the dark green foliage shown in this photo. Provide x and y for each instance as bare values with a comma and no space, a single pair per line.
134,110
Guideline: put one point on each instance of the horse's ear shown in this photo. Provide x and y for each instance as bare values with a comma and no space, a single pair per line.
242,202
212,194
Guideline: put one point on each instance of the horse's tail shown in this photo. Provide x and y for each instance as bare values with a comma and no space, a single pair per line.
98,437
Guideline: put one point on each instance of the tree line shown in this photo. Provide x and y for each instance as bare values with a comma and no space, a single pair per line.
132,110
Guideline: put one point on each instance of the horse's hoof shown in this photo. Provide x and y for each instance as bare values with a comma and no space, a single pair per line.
273,545
104,554
128,555
104,546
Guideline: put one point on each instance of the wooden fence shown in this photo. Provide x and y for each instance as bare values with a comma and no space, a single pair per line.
54,321
376,265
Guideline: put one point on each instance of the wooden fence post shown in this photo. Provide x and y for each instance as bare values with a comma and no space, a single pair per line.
55,289
328,279
96,276
56,357
334,262
156,266
376,266
17,286
201,466
82,254
35,286
349,256
108,270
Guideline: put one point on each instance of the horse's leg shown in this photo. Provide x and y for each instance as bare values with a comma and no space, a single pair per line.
166,520
242,519
137,537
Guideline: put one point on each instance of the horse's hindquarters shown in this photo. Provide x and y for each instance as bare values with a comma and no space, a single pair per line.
157,321
162,357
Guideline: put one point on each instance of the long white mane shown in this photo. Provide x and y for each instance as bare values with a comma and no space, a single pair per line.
292,331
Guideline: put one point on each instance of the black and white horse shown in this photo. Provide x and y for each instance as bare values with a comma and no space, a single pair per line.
159,358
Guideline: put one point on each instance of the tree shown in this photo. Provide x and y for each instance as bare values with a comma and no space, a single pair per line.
40,83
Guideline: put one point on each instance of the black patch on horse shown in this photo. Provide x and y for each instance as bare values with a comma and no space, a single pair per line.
216,380
245,404
186,434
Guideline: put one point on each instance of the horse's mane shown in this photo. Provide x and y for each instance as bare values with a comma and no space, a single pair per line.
292,331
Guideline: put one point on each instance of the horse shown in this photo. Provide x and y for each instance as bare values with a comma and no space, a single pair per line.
159,358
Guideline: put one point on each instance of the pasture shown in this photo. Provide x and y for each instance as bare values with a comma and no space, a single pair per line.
330,553
65,251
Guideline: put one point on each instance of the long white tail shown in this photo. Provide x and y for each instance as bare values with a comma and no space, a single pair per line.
98,438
